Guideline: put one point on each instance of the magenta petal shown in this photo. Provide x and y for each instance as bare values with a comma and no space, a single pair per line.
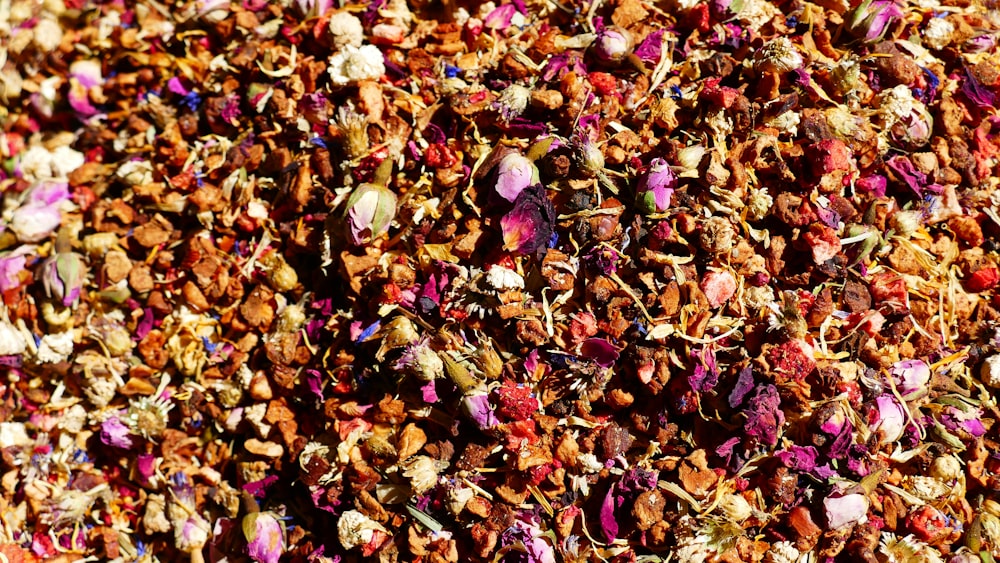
500,17
114,433
609,523
10,268
601,351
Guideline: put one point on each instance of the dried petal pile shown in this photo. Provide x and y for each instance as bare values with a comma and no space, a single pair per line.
530,281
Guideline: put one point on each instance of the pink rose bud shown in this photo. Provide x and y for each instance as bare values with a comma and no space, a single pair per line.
514,173
891,419
846,510
114,433
911,376
62,277
613,44
265,537
370,211
656,187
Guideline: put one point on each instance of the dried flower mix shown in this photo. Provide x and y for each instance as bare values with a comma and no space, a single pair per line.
509,281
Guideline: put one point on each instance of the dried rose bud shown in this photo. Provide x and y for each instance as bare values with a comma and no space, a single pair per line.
656,187
613,44
62,277
588,156
528,227
114,433
84,75
370,211
911,376
846,510
39,215
891,420
515,172
872,18
265,537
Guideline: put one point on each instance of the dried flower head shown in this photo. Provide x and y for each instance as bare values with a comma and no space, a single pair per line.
778,55
149,416
354,64
370,211
613,44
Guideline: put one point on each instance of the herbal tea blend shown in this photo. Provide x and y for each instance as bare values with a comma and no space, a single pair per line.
534,281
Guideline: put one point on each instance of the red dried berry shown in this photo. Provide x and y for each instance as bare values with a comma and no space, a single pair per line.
792,358
515,402
438,155
986,278
604,84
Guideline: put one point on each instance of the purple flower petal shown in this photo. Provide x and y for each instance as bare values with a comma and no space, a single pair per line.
601,351
651,48
116,434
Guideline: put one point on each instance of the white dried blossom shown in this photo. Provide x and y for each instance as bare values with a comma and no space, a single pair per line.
73,419
355,529
39,163
735,507
589,463
100,390
56,347
354,127
397,12
906,223
73,505
759,204
12,341
148,416
422,471
906,550
14,434
154,519
504,279
756,13
346,29
787,122
782,552
11,84
896,103
353,64
989,373
937,34
422,361
758,298
47,35
947,468
927,488
779,56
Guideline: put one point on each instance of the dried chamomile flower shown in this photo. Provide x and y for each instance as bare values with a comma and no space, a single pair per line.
346,30
354,64
779,56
